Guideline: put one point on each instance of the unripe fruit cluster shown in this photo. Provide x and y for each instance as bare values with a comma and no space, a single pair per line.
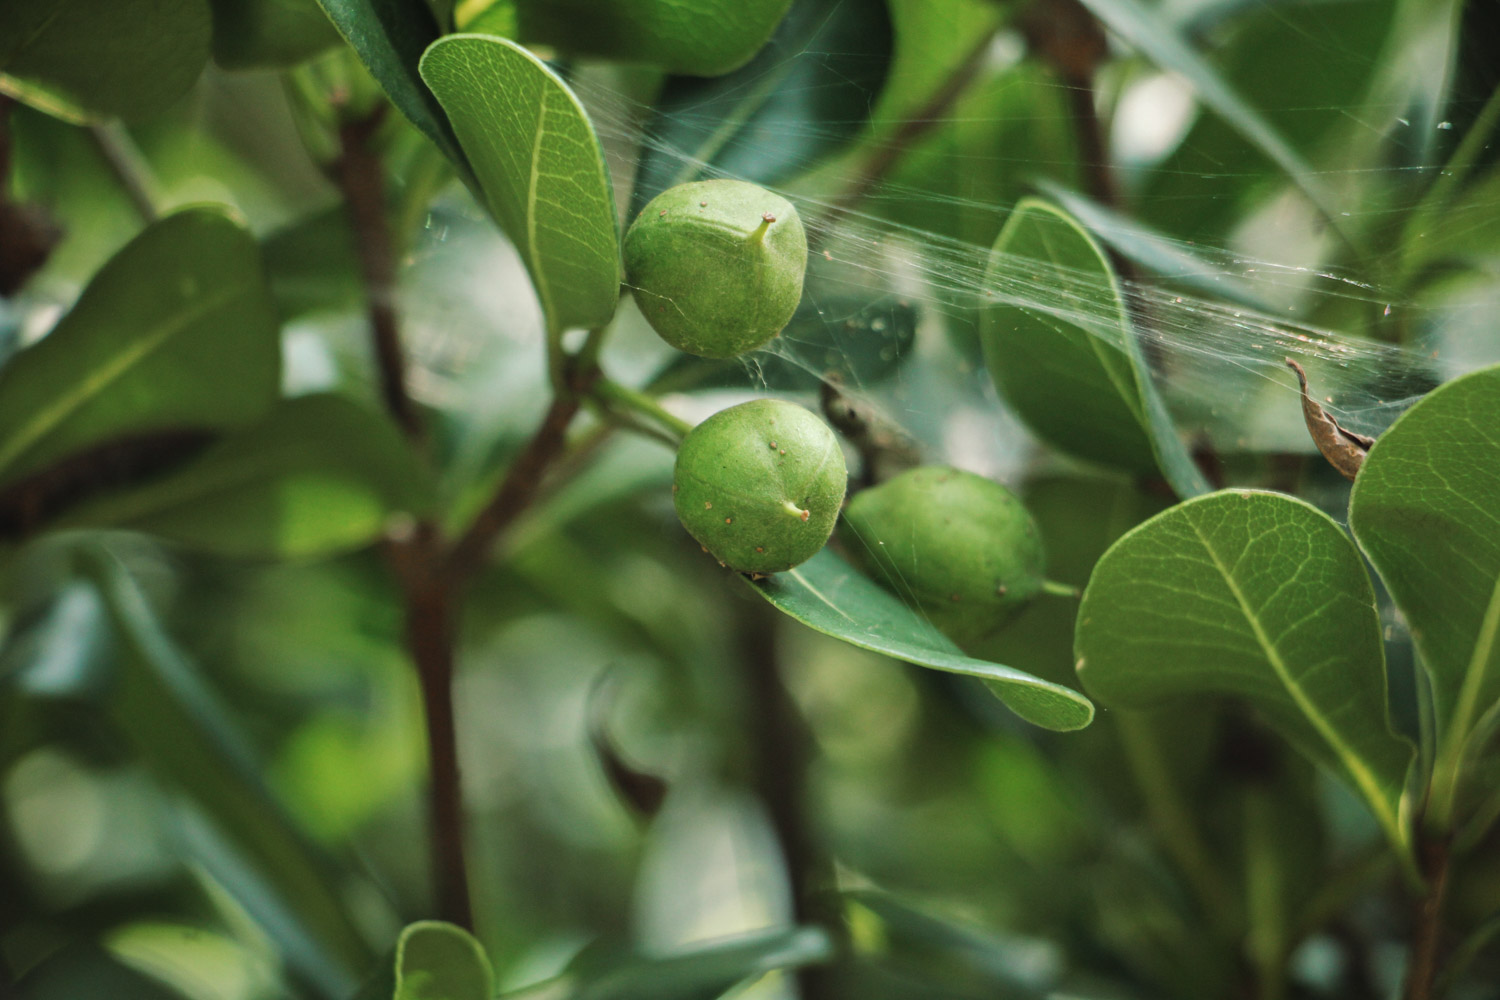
959,545
759,485
717,266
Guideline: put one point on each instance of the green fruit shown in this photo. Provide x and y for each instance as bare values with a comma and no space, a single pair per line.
716,266
759,485
960,546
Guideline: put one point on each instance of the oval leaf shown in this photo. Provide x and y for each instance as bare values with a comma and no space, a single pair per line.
1426,509
1258,595
176,331
185,735
390,37
321,475
1149,31
706,39
438,961
88,59
1059,345
540,167
825,593
711,970
806,94
253,33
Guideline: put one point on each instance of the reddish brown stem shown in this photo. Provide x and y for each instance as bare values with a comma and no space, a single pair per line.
361,176
780,749
429,636
519,487
419,559
1427,923
914,128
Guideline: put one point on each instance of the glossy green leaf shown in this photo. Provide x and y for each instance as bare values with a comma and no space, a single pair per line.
433,960
807,94
321,474
1060,346
1426,510
89,59
1154,251
269,33
704,973
824,593
186,737
1258,595
541,169
390,37
1306,70
1147,30
176,331
89,971
312,265
700,39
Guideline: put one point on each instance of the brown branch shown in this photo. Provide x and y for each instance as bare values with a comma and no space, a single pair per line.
429,599
781,748
29,504
1427,925
519,487
27,234
418,559
913,129
361,177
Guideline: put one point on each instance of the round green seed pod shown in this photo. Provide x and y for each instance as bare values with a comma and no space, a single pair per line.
760,485
961,546
717,266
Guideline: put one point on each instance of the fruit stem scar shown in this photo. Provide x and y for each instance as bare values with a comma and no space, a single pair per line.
760,230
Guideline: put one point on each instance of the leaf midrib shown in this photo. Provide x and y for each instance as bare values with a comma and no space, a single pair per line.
1475,676
1357,769
49,418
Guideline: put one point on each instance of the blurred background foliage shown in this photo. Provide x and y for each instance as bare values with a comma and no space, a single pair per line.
211,743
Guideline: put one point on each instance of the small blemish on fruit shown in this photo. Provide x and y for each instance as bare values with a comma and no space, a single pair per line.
773,444
783,451
728,520
702,204
708,505
760,548
1002,590
662,214
954,598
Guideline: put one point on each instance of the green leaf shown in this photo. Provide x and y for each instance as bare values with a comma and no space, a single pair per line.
176,331
1258,595
250,34
1426,509
1154,251
89,971
1059,344
312,265
700,39
704,973
185,736
433,960
390,37
541,169
1147,30
82,60
321,474
1306,69
806,94
826,594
